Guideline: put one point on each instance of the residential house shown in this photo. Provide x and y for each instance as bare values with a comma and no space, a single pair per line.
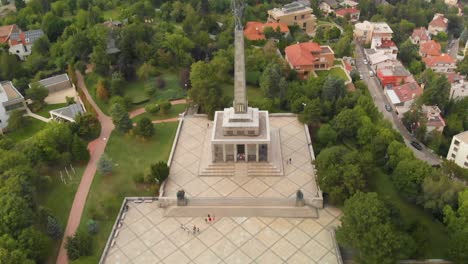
67,113
394,75
59,87
10,99
458,86
434,119
378,58
438,24
349,3
366,32
6,31
386,46
308,57
328,6
296,13
458,151
255,30
351,11
443,63
21,42
420,36
403,96
430,48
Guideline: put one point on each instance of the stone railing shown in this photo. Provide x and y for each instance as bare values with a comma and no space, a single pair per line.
316,201
339,258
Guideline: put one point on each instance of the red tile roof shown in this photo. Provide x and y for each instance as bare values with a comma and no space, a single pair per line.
348,67
442,59
453,77
254,30
301,54
407,91
421,33
6,31
430,48
343,12
439,21
387,43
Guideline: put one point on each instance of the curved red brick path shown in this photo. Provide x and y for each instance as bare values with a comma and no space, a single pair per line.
142,110
96,149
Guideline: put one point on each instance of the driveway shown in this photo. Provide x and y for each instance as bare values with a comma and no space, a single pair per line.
453,50
380,100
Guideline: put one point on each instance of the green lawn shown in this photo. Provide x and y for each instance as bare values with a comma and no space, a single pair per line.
111,14
336,71
434,238
45,109
131,156
136,90
59,198
174,112
32,127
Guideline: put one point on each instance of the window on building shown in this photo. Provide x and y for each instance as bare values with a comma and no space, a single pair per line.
304,25
251,132
455,149
456,142
465,164
454,156
302,16
229,133
295,17
240,132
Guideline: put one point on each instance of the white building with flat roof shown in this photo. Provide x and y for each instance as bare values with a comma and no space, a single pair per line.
10,99
458,151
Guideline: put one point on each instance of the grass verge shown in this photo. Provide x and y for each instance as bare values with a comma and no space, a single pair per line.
32,127
131,156
45,110
173,112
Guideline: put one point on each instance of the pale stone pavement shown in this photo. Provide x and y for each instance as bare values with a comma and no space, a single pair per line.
185,165
147,236
96,149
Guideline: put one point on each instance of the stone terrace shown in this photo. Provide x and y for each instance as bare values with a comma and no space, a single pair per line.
184,173
146,236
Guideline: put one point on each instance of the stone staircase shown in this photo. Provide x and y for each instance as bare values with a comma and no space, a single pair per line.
263,169
218,170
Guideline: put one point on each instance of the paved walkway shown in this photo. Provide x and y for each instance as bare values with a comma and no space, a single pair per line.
142,110
147,236
96,149
168,120
36,116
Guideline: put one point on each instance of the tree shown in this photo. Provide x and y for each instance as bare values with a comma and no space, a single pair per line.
408,52
102,91
436,90
79,149
34,243
462,66
54,230
144,128
145,71
79,245
159,172
152,108
366,226
270,80
339,173
37,93
439,191
16,120
93,227
408,177
205,92
346,123
165,107
87,126
100,59
121,118
53,26
179,46
105,165
333,88
457,223
312,112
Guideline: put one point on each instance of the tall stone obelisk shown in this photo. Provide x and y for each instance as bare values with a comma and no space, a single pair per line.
240,93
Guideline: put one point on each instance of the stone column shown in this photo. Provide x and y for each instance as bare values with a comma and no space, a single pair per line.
246,146
258,152
235,153
224,152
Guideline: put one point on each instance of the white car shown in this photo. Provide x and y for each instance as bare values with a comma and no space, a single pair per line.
366,62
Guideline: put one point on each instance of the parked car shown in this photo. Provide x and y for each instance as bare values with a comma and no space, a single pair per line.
388,108
365,62
361,77
416,145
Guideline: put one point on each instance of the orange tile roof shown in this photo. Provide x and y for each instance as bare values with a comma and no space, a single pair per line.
421,33
301,54
254,30
433,60
439,21
344,11
430,48
5,32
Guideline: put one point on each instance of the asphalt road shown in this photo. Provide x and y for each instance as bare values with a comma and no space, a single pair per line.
380,100
453,50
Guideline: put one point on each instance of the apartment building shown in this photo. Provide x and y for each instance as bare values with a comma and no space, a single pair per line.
296,13
458,151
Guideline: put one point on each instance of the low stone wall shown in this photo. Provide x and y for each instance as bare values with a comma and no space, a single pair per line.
316,201
339,258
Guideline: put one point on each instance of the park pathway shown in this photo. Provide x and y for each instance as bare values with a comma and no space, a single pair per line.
96,149
142,110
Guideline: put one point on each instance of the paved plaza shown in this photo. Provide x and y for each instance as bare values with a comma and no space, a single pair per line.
189,154
146,236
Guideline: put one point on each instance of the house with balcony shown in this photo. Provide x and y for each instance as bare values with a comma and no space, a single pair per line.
367,32
458,151
387,46
307,57
21,42
296,13
393,75
434,119
352,12
438,24
429,49
420,36
443,63
328,6
458,86
10,100
255,30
